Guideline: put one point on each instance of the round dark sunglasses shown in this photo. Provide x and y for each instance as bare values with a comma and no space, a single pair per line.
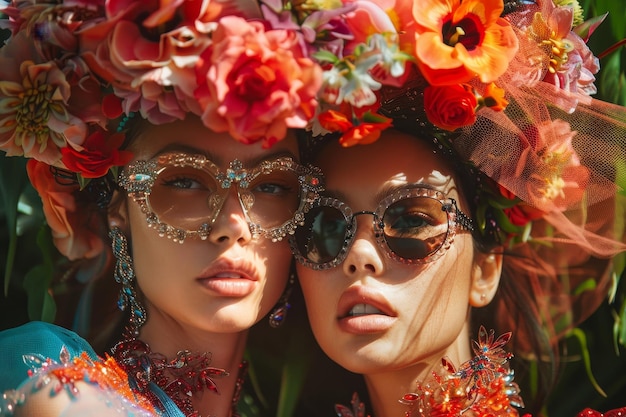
413,225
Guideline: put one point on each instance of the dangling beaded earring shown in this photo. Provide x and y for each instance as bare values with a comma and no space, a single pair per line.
279,314
125,274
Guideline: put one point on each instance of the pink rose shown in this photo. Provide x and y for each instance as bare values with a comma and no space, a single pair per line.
75,228
255,84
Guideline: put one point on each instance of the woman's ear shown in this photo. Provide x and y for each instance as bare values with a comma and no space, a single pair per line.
117,215
485,278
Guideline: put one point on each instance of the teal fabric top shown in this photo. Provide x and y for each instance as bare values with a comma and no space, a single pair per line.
39,338
47,340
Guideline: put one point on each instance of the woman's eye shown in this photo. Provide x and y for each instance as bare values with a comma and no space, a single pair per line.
409,221
271,188
183,182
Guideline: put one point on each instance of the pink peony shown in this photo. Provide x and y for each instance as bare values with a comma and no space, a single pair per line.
256,84
147,50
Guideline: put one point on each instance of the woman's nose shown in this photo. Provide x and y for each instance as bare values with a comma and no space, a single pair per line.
364,256
231,224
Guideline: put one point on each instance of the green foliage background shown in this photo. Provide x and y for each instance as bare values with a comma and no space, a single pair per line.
282,367
604,333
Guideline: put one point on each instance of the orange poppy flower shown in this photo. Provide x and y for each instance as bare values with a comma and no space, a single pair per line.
459,40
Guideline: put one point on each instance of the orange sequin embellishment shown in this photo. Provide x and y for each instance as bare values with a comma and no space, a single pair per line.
106,373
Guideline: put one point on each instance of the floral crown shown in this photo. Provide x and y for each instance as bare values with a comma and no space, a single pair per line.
506,84
255,69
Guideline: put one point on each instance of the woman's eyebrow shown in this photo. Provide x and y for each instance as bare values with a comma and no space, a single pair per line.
392,188
335,194
187,149
257,160
385,191
247,163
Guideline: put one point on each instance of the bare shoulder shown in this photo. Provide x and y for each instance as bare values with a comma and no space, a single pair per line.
80,398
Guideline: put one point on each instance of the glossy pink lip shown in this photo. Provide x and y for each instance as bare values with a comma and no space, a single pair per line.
229,278
363,295
368,323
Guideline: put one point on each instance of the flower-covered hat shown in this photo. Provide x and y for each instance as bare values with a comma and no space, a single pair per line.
504,85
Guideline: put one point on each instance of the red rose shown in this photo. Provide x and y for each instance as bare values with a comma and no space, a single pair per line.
450,106
100,152
521,213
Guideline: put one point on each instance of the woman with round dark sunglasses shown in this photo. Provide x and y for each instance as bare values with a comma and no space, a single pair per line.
398,278
388,293
462,216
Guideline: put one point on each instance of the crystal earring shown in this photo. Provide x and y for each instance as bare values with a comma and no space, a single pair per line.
125,274
279,314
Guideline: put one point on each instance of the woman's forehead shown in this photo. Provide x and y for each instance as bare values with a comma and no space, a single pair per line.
392,161
192,137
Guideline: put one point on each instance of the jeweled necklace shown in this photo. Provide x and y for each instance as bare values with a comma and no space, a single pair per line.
181,378
481,386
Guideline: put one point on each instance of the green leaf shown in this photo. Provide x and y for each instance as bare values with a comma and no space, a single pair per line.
501,202
612,81
325,56
296,366
615,10
620,327
13,180
370,117
582,340
82,181
587,285
618,270
586,29
504,222
481,219
37,282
